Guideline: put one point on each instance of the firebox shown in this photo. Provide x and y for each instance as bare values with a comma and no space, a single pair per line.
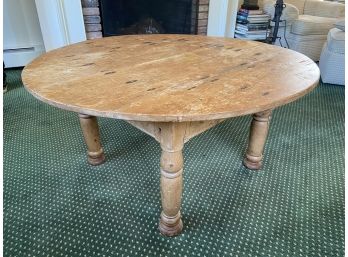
120,17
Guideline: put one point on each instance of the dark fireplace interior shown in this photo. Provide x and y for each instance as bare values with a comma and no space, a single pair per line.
120,17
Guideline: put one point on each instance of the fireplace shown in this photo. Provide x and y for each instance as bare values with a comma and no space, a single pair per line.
122,17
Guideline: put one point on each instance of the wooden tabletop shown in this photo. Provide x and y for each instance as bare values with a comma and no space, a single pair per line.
170,77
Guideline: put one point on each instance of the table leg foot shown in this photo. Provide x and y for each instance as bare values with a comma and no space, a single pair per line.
252,163
96,158
257,139
170,226
90,129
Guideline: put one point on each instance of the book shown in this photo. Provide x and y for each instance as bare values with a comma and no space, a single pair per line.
244,22
242,18
258,16
251,12
254,16
255,12
258,20
243,13
250,37
251,26
257,32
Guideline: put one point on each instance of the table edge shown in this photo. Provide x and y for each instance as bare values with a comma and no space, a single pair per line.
173,118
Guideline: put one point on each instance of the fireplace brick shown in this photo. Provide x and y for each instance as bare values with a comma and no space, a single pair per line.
90,11
201,30
203,2
93,27
203,8
202,15
202,23
90,3
91,19
93,35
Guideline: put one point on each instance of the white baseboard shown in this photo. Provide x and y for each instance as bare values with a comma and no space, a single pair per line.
18,57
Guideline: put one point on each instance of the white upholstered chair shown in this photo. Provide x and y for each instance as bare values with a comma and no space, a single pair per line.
307,23
331,61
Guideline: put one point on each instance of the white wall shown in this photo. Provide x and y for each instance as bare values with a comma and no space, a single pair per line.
222,18
61,22
32,27
22,35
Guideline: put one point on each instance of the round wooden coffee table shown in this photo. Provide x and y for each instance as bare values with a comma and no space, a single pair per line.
172,87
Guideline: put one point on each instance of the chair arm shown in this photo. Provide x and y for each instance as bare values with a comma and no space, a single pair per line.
324,9
290,12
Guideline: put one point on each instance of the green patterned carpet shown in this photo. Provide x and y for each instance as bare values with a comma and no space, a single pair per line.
55,204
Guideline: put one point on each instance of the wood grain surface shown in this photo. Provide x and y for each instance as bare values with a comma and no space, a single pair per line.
170,77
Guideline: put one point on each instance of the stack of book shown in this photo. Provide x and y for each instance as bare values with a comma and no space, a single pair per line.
252,24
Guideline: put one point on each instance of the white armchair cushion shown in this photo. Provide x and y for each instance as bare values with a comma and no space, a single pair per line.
312,25
335,41
324,9
299,4
331,66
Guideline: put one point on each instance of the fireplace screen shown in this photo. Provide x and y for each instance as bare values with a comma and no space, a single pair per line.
122,17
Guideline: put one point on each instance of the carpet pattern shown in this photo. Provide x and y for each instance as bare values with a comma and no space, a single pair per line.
55,204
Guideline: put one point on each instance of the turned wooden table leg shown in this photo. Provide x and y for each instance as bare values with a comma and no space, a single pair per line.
257,139
172,142
172,136
89,125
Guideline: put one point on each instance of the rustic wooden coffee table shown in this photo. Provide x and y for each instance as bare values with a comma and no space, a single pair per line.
172,87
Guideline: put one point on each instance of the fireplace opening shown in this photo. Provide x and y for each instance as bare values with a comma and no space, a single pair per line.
122,17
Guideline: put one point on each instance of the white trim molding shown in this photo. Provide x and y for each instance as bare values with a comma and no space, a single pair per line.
222,18
61,22
22,41
21,56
